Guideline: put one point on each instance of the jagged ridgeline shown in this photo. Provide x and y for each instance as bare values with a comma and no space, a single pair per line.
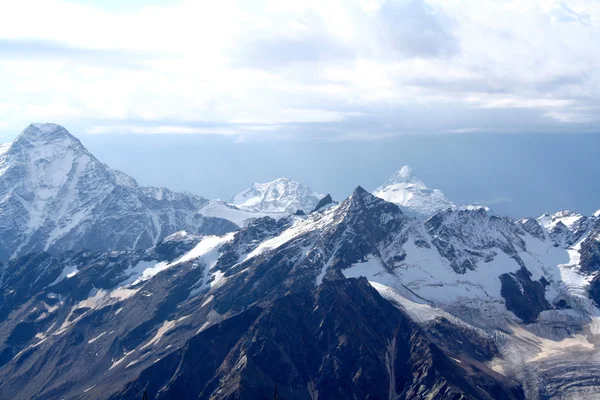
129,291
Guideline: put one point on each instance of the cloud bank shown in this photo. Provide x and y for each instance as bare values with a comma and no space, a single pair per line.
340,70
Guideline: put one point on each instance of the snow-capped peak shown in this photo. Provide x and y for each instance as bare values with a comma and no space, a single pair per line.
41,161
280,195
405,175
45,133
46,128
56,195
406,190
566,217
47,151
565,227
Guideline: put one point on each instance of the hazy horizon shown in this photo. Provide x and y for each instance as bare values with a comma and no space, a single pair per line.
516,175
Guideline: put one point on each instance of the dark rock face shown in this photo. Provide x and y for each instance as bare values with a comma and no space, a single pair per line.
247,239
533,227
343,341
524,297
25,277
174,246
325,201
460,341
59,339
590,251
562,304
594,290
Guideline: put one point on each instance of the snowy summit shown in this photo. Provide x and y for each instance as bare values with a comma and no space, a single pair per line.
280,195
406,190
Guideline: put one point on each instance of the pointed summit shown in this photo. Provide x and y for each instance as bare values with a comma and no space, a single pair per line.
55,196
46,133
406,174
406,190
44,144
359,191
362,201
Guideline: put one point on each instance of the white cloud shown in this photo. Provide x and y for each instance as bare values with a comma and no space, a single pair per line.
276,63
161,129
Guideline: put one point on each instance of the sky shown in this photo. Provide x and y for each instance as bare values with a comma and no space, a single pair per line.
302,88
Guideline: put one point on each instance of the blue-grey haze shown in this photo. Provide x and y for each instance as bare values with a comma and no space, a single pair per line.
517,175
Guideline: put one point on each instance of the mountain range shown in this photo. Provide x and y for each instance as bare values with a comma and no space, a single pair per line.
396,294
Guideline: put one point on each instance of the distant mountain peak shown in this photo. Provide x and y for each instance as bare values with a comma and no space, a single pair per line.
406,174
280,195
406,190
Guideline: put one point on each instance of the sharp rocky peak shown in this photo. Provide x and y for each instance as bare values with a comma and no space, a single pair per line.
361,196
361,200
359,191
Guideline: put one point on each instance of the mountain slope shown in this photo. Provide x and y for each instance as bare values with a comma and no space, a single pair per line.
56,196
341,341
96,334
406,190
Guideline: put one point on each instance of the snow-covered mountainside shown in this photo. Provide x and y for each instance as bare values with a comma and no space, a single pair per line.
280,195
55,196
470,304
406,190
